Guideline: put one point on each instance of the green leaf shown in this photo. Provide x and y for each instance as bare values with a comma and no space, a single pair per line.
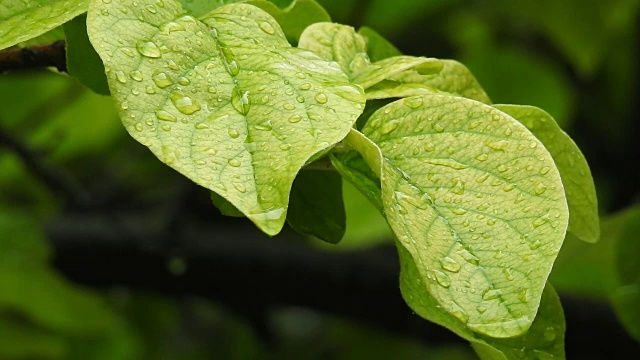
83,61
21,341
342,44
625,302
22,243
200,8
226,208
295,17
454,78
463,192
378,47
316,206
227,101
574,170
543,340
21,20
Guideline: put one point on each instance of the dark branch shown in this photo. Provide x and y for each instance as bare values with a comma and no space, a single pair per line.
232,263
54,178
34,57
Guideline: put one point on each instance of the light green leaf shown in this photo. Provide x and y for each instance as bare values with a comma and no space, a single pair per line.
378,47
574,170
463,192
295,17
391,89
83,62
227,101
316,207
21,20
392,66
342,44
454,78
339,43
543,340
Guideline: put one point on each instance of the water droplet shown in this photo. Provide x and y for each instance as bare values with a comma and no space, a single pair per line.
233,133
469,257
389,127
508,273
136,75
300,75
288,106
172,27
295,118
491,294
458,187
234,162
184,104
166,127
544,170
414,102
523,295
508,187
300,99
502,168
267,28
446,162
121,77
482,157
429,147
321,98
442,278
481,309
540,189
437,127
183,81
285,147
240,187
161,79
449,264
500,145
305,86
201,126
240,101
549,334
459,211
148,49
139,127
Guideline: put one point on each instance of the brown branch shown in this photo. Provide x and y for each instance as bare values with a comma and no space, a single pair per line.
34,57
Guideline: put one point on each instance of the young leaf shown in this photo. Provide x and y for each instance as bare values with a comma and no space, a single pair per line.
342,44
454,78
83,62
226,101
21,20
573,167
378,47
316,206
336,42
463,192
625,301
543,340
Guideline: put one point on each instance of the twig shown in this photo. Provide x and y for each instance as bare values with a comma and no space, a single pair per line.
34,57
54,178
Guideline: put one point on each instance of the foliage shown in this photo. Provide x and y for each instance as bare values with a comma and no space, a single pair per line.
270,106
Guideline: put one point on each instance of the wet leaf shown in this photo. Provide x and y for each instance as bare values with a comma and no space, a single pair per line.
469,206
543,340
342,44
226,101
574,170
21,20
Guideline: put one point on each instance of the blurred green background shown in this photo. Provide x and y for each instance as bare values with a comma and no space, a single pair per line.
99,259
